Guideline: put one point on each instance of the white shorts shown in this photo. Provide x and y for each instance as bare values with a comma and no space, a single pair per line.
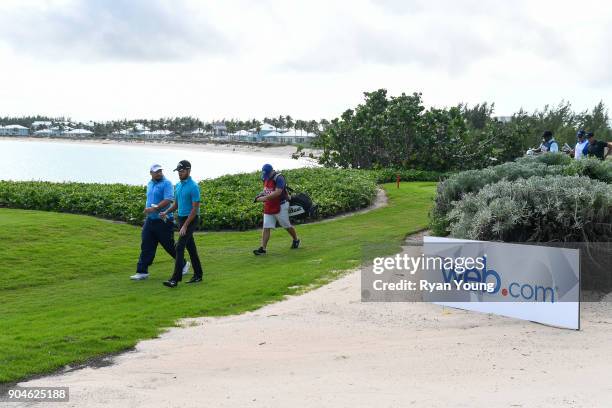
282,217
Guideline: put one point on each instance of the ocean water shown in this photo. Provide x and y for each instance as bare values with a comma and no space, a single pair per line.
128,164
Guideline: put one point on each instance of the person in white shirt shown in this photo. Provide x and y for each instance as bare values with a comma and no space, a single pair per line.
582,145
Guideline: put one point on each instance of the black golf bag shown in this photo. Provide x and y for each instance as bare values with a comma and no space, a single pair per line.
301,203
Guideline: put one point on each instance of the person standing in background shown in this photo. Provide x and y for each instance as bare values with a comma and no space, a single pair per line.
597,147
582,145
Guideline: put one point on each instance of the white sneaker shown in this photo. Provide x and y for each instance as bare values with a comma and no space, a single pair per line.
186,268
139,276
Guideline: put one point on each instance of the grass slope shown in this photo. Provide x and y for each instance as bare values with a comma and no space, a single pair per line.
65,295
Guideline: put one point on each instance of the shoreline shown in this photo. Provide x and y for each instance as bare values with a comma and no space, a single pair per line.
284,151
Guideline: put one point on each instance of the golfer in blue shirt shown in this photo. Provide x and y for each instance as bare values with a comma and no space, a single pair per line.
155,229
187,193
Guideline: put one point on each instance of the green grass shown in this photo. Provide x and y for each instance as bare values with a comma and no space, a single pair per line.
66,297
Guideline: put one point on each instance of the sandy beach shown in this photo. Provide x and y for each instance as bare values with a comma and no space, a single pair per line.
277,151
327,348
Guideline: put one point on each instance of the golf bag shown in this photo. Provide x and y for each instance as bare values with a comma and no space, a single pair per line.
301,203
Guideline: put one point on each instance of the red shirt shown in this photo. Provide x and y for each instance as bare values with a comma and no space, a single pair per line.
271,206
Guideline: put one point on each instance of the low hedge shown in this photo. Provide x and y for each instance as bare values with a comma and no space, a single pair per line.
390,175
227,200
471,181
538,209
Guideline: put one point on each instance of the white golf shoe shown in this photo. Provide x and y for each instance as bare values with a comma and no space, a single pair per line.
139,276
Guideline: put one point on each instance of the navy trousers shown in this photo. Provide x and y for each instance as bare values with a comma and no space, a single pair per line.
155,232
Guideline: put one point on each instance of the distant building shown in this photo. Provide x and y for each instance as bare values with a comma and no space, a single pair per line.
243,136
219,129
289,137
41,124
294,137
14,130
123,133
79,133
198,131
155,134
263,130
267,134
47,132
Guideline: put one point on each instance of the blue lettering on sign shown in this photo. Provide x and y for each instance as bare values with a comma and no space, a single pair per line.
526,291
473,275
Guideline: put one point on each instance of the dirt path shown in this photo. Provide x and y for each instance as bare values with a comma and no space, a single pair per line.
327,348
380,201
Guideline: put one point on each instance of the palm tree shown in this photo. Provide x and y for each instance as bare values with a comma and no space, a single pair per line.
290,122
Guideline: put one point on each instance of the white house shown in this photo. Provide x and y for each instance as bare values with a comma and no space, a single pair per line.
293,137
219,129
289,137
41,123
199,132
78,133
155,134
122,133
272,137
45,132
263,129
14,130
243,136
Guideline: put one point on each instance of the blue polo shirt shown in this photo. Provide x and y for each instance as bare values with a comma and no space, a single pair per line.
187,191
158,191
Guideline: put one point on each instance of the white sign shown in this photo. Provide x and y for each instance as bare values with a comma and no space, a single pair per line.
536,283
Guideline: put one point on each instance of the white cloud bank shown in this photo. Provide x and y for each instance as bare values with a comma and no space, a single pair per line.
136,58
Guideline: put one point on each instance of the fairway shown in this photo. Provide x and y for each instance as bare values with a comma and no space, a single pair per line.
66,295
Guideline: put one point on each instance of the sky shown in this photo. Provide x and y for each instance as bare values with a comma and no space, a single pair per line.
114,59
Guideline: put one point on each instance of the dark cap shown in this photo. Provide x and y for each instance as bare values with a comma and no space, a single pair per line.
590,134
547,134
183,165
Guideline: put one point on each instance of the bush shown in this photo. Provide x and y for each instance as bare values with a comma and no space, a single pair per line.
390,175
538,209
471,181
227,200
548,158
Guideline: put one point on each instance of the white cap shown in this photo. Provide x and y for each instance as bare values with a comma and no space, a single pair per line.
155,168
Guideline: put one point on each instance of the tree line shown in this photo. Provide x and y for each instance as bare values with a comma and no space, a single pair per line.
178,125
399,132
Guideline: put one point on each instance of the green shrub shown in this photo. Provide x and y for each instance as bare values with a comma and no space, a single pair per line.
547,158
390,175
227,200
591,167
471,181
538,209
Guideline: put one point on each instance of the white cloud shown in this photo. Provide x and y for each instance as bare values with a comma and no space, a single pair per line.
121,30
120,58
